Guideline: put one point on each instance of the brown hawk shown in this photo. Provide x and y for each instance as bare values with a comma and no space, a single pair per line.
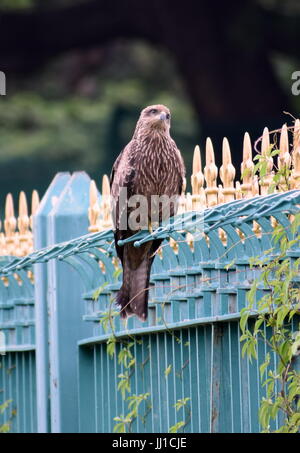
148,168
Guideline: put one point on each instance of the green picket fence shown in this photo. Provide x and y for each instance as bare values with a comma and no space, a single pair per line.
188,370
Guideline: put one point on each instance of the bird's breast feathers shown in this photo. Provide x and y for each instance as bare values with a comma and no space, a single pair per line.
159,168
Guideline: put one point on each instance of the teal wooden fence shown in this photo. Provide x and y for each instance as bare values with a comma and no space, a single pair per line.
57,373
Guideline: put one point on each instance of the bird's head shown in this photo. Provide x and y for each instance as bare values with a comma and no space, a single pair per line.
155,118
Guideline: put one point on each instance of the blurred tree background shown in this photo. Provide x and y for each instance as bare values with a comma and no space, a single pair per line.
79,72
61,120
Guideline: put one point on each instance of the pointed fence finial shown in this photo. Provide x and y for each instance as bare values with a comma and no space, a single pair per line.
247,167
255,192
295,176
105,208
197,180
10,224
94,209
266,176
227,173
35,202
207,190
211,173
23,227
284,160
23,218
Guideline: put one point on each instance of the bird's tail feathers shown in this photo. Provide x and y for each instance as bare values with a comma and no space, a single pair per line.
133,299
134,293
139,289
122,300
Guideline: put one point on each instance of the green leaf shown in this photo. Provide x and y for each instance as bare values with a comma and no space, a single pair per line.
117,273
244,319
121,426
4,406
264,366
258,323
99,291
168,370
5,428
111,346
229,265
176,428
296,344
181,403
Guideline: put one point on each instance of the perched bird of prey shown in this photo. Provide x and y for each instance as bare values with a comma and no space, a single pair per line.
150,166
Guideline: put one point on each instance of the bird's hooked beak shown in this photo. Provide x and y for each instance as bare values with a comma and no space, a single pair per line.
163,116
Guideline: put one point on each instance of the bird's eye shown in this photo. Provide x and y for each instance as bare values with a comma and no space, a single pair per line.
154,111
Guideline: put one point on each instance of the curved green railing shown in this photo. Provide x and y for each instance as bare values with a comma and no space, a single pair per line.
196,294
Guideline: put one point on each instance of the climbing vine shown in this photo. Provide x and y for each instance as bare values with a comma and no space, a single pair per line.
276,316
5,427
181,403
125,358
277,311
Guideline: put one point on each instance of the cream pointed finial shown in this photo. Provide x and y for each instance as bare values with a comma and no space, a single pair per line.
295,175
10,224
197,180
247,167
227,172
94,209
23,226
23,218
35,202
284,160
105,208
266,179
211,173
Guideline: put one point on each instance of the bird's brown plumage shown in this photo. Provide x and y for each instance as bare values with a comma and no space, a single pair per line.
150,164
